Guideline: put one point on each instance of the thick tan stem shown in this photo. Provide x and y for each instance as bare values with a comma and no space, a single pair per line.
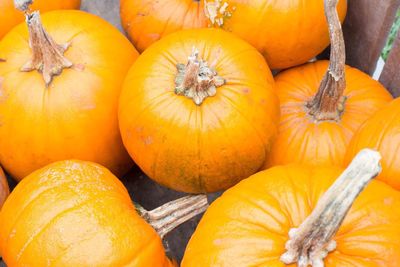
22,5
47,56
311,242
172,214
328,103
196,80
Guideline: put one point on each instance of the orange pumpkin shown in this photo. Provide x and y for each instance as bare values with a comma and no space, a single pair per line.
320,113
382,132
70,112
198,111
286,32
9,16
4,189
252,223
76,213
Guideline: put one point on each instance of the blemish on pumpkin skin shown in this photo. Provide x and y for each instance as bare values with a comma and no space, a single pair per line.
388,201
246,90
79,67
2,60
147,140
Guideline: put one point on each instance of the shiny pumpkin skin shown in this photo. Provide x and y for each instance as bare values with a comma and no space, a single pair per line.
249,224
4,189
76,213
76,116
203,148
300,138
286,32
381,132
10,17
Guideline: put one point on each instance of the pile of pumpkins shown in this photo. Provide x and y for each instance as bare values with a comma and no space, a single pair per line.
199,111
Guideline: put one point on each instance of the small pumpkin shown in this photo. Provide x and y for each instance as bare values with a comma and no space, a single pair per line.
10,16
321,112
59,97
76,213
286,32
287,215
4,189
382,132
198,111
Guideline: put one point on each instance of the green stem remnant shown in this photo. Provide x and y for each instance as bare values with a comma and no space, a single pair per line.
311,242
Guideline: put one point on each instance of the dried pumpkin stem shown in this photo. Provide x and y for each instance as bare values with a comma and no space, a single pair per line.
172,214
47,56
328,103
311,242
196,80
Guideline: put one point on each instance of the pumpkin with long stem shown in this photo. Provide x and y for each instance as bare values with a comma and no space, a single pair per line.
198,111
60,82
4,189
295,215
76,213
321,112
382,132
286,32
10,16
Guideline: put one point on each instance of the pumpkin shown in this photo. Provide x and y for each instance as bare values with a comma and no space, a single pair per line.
286,215
381,132
9,16
320,113
70,112
77,213
286,32
4,189
198,111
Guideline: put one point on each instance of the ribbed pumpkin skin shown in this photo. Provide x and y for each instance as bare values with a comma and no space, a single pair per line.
9,16
381,132
4,189
249,224
202,148
286,32
76,116
300,139
75,213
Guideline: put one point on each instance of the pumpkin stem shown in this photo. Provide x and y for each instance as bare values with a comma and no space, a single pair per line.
196,80
47,56
172,214
328,103
310,243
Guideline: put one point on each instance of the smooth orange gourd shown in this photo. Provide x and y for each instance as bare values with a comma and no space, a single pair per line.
70,112
322,105
251,222
286,32
198,110
10,17
381,132
4,189
303,139
76,213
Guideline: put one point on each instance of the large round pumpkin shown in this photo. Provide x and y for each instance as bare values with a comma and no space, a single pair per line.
70,112
250,224
4,189
10,16
286,32
381,132
198,110
76,213
304,139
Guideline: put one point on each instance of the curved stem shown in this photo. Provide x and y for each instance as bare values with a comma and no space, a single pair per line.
328,103
172,214
311,242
